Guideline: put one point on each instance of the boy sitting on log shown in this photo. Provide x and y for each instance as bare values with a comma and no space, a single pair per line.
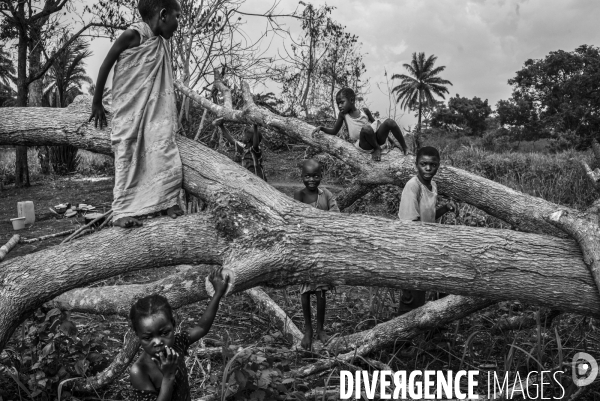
367,134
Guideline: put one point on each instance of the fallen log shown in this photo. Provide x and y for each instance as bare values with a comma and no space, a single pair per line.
4,249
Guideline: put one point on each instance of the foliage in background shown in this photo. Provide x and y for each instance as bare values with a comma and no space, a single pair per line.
7,78
64,81
49,350
469,115
557,94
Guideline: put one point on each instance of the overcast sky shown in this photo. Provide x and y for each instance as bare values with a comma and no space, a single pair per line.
482,43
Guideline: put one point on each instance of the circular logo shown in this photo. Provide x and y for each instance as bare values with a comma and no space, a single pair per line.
585,369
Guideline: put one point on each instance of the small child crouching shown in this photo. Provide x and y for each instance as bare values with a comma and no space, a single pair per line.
419,203
322,199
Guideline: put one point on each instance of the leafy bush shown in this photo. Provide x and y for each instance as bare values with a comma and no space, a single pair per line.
256,376
49,351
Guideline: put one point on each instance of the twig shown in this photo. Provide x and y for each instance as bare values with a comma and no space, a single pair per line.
8,246
201,124
86,226
43,237
105,222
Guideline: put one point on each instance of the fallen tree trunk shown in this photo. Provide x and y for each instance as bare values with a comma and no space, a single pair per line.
267,238
401,328
4,249
43,126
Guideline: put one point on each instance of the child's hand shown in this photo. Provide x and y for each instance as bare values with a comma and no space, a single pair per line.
98,113
316,134
219,283
452,207
218,122
168,362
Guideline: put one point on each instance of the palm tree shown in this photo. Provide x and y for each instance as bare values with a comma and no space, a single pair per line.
63,83
67,74
417,89
7,75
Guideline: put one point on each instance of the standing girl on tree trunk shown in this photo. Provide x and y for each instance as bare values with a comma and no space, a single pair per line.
148,171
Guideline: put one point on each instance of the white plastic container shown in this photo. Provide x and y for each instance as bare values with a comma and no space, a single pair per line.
18,223
25,209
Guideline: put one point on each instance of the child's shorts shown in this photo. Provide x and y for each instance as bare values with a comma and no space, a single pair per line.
315,287
385,148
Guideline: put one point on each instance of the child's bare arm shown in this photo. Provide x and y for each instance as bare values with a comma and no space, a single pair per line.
128,39
206,321
298,195
449,207
369,115
336,128
140,380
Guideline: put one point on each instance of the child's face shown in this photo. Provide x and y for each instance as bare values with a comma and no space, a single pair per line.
171,22
427,167
344,104
156,332
311,177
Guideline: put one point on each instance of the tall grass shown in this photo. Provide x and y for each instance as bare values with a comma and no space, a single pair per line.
557,177
89,164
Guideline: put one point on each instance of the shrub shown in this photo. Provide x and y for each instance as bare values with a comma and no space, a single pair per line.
64,159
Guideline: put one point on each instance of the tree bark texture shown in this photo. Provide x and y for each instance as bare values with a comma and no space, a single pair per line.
267,238
70,126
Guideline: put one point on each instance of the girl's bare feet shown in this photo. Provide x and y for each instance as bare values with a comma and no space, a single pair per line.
174,211
306,342
127,222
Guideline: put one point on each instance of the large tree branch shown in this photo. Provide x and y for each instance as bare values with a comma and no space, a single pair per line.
181,288
397,330
516,208
29,281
